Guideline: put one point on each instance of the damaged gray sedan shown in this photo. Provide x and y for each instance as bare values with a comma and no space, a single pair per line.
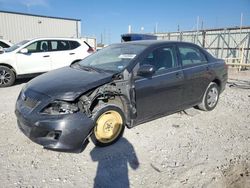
121,86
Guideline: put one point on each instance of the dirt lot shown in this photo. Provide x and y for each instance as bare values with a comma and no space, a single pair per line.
192,149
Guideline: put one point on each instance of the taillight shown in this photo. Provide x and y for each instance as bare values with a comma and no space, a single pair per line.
91,50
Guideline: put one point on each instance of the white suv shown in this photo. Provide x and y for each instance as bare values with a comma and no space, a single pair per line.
4,44
40,55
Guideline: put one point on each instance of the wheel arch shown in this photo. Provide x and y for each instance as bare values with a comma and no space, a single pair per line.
118,100
218,82
9,66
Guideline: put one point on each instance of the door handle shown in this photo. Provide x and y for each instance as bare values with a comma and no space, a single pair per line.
46,56
71,53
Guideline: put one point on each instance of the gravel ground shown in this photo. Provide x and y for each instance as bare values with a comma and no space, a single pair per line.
187,149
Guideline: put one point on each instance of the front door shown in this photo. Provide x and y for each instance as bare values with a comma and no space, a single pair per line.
161,92
37,60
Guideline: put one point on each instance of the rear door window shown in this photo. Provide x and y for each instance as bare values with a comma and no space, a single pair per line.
60,45
191,56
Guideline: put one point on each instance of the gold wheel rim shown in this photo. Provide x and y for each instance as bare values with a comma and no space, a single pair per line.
108,126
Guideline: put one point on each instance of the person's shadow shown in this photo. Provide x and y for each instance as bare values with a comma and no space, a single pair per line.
112,170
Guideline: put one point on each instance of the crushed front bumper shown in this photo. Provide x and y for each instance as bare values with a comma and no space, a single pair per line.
68,133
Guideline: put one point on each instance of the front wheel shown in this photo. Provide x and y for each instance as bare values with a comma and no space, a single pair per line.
210,98
7,76
109,125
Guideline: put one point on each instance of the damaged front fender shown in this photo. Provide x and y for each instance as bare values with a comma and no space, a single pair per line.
119,92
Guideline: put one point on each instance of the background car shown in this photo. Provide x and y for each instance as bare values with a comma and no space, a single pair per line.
40,55
122,85
4,44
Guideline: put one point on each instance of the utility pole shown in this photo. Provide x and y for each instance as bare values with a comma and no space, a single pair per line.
101,38
104,36
202,24
197,23
156,27
197,28
241,20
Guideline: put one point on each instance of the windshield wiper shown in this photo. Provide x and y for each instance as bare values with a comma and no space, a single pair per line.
90,68
86,68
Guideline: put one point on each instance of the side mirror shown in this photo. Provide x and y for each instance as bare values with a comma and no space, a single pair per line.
146,70
24,51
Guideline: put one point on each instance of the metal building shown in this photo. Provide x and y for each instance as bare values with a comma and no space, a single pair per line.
231,44
19,26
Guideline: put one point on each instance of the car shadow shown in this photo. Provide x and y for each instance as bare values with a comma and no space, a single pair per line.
237,83
22,81
113,161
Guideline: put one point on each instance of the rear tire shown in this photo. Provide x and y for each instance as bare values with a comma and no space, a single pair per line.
210,98
109,125
7,77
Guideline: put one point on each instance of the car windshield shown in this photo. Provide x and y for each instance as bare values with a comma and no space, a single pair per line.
113,58
14,47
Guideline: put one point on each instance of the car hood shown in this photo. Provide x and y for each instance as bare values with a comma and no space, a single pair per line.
68,83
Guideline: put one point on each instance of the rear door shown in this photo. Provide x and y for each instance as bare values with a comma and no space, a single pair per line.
60,53
77,51
196,73
160,93
37,60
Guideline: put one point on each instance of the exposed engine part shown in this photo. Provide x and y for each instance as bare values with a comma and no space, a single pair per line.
121,88
84,105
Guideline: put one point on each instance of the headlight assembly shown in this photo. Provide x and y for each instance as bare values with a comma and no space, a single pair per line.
60,107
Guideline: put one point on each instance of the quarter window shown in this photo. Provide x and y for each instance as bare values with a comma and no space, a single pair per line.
191,56
74,44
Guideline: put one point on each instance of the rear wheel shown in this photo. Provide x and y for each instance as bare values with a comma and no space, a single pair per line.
109,125
7,76
210,98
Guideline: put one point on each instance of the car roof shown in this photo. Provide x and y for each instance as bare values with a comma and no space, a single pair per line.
157,42
54,38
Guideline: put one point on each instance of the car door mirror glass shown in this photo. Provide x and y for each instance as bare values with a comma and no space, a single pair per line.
146,70
24,51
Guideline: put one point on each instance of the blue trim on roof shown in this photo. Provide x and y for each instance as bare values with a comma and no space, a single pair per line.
27,14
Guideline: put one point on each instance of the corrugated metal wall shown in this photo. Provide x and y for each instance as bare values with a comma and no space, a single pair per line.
229,43
17,27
